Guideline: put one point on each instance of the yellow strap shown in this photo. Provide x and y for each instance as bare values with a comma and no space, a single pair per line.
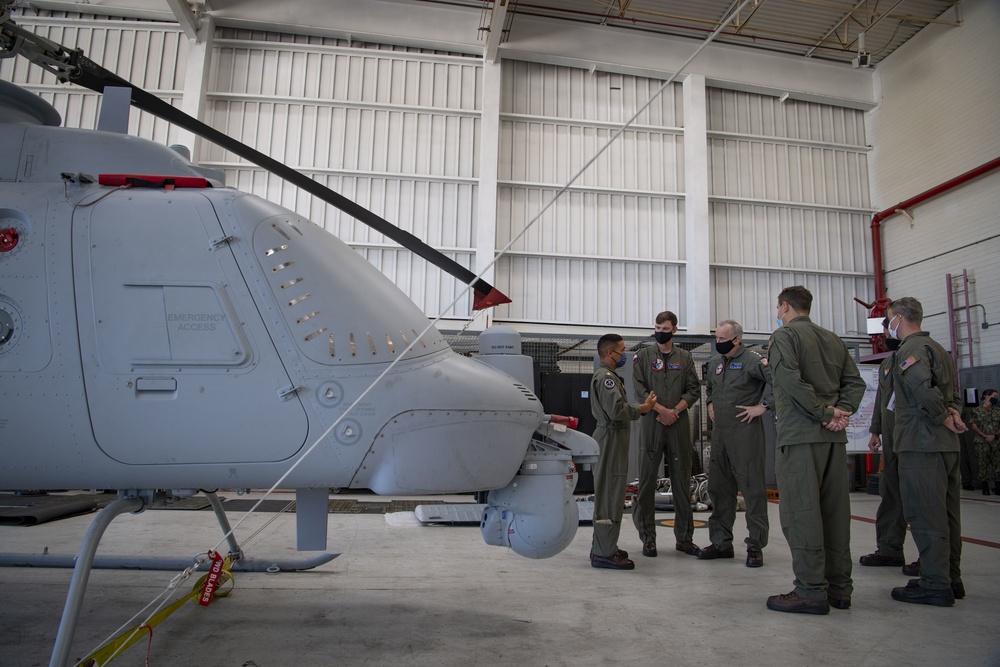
117,646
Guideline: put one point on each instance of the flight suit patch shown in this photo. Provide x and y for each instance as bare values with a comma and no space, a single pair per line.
609,383
907,363
763,360
635,358
657,364
718,369
675,366
736,366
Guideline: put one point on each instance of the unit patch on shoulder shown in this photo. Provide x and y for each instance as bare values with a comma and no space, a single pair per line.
718,369
635,358
657,364
609,383
907,363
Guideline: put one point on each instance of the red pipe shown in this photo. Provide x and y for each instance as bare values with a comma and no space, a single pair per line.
903,205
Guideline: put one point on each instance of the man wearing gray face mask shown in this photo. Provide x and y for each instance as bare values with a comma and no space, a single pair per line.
738,392
928,423
667,370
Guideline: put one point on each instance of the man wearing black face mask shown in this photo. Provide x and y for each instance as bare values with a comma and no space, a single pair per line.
613,413
890,526
667,370
739,391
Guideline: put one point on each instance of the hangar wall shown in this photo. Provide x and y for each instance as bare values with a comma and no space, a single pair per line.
778,191
392,128
939,117
789,205
153,56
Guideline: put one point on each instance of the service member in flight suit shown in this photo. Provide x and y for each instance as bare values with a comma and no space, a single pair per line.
817,387
738,392
890,526
928,422
668,371
610,407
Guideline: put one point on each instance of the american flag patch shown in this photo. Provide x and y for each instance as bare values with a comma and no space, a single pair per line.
907,363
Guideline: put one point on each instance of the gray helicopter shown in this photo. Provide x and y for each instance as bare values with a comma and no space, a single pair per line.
161,333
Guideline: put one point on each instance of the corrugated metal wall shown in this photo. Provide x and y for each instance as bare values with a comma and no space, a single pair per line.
789,205
611,250
395,130
398,130
149,54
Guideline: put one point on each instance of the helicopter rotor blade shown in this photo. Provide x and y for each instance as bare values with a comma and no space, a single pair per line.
90,75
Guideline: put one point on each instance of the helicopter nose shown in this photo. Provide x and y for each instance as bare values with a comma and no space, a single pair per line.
471,435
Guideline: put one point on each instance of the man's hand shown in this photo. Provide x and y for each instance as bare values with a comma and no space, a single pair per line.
990,438
711,411
667,416
954,421
875,442
750,412
648,404
841,418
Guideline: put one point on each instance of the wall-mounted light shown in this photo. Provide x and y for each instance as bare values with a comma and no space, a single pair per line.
784,96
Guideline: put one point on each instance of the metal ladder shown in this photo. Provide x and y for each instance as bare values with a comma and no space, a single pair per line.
960,317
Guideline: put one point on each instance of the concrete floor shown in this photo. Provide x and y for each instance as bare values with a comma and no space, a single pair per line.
437,595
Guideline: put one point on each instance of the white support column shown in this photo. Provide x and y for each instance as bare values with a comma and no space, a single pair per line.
489,156
199,59
698,307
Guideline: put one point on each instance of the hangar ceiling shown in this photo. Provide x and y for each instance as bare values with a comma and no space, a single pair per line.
823,29
829,30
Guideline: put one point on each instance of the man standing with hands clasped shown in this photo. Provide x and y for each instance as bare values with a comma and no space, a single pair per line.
928,422
667,370
613,413
817,387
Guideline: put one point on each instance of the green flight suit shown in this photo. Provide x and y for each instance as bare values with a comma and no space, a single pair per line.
673,377
812,370
925,387
890,526
737,461
610,407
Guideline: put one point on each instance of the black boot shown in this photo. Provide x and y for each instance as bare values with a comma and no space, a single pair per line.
986,488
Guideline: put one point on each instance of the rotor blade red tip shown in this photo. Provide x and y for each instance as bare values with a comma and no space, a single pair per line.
494,298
